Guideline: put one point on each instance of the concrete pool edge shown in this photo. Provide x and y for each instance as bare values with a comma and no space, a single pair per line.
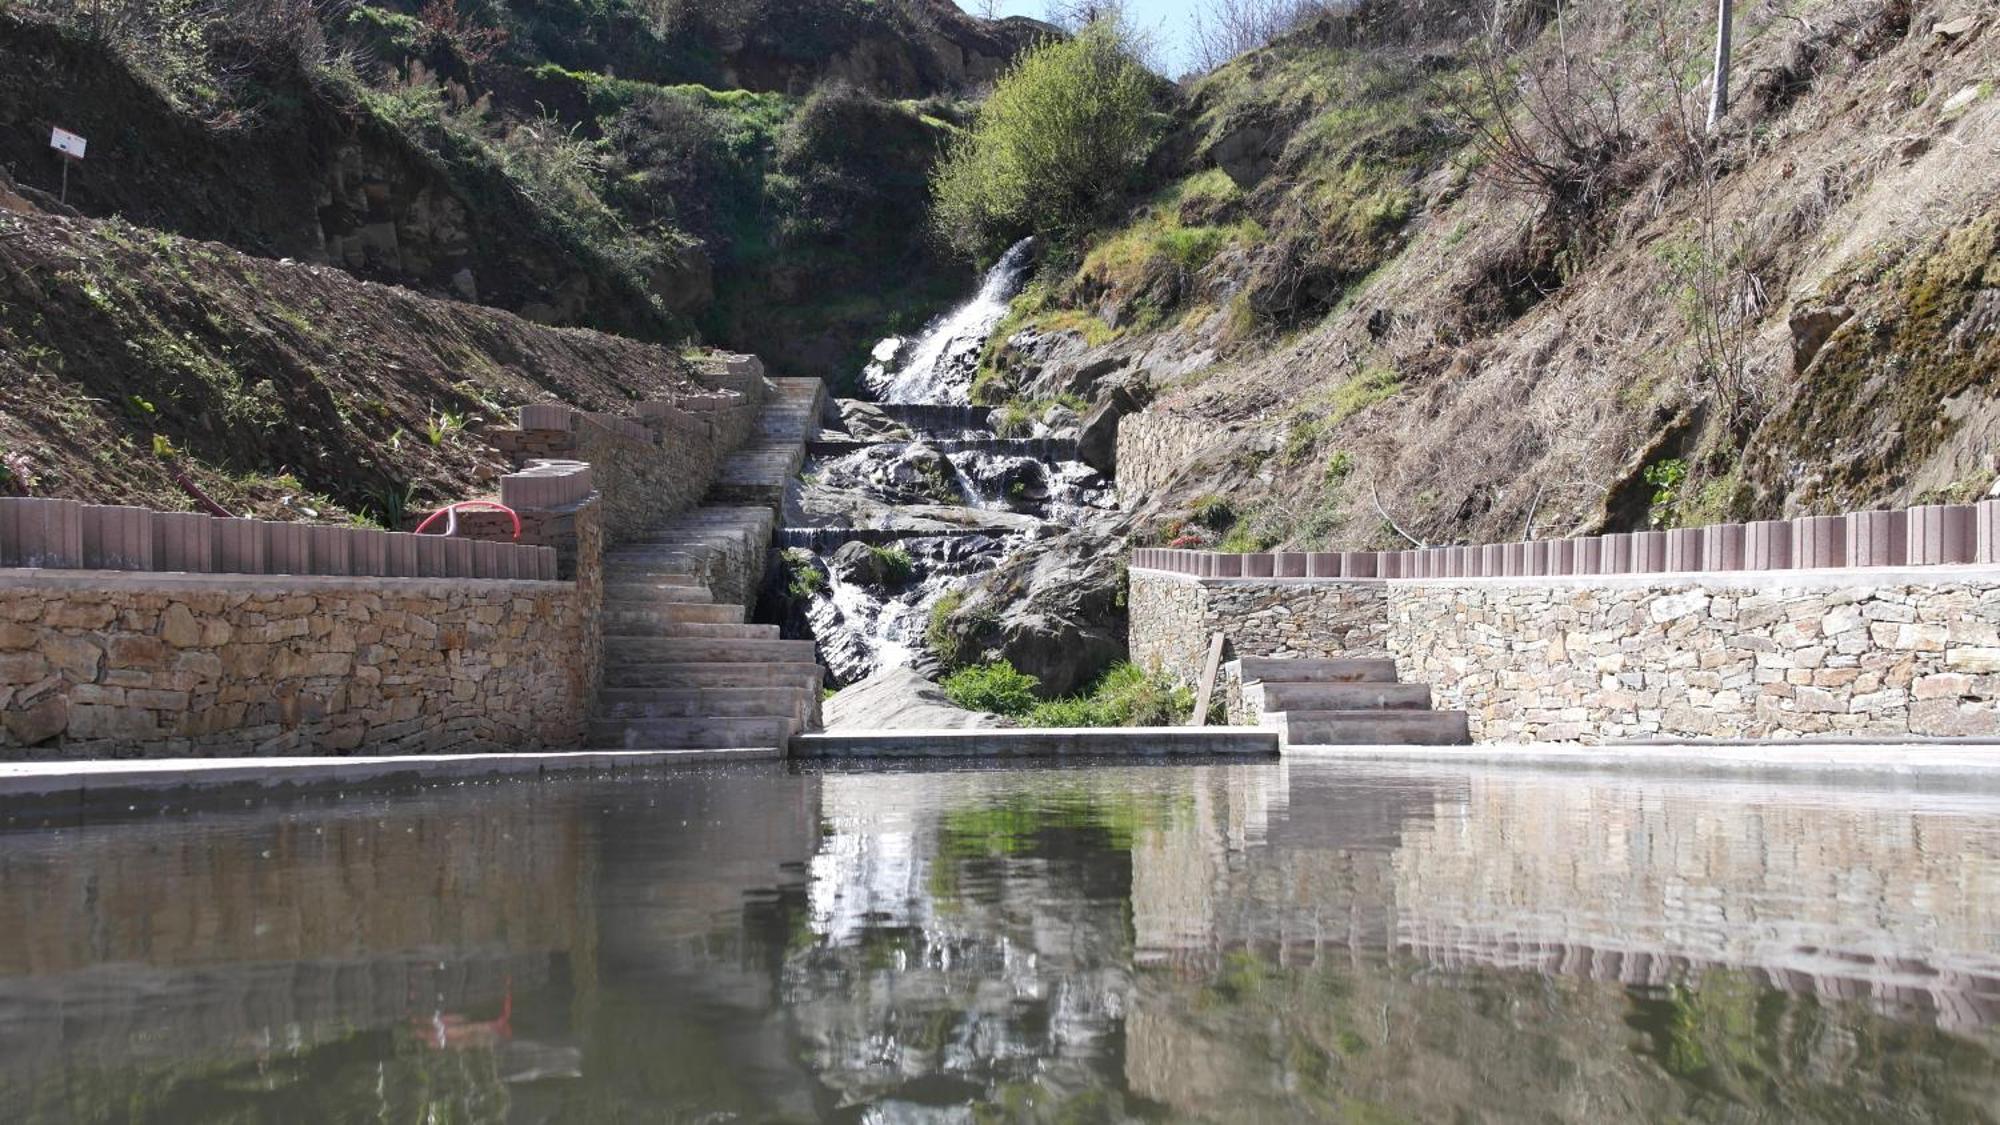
1904,760
1030,743
36,782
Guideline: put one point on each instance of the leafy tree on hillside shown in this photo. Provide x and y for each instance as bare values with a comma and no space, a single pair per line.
1062,136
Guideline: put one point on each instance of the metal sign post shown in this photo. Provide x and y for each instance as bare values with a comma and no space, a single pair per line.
71,147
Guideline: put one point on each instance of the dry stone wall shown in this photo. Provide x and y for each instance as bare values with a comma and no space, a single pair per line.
178,665
1870,653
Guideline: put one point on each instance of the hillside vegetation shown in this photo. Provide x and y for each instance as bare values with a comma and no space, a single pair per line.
742,171
1412,273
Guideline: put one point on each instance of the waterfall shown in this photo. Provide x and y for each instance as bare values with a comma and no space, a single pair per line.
948,493
940,364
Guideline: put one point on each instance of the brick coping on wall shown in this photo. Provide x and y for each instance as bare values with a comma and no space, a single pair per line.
1822,578
1929,536
176,581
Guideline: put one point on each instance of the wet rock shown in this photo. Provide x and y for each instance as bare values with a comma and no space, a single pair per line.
861,565
866,421
901,699
1054,609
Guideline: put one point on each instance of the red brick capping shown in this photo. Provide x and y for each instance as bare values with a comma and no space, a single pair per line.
1931,535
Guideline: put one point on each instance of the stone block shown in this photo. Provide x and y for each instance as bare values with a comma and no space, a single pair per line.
368,552
1986,533
239,546
332,550
117,538
37,532
1649,552
546,416
433,556
1587,555
1722,547
1684,550
1878,538
1291,564
1617,555
1323,564
1357,564
183,542
1942,534
1767,545
1819,542
1258,565
287,548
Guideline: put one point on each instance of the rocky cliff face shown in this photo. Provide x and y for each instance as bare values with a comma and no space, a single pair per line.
1358,314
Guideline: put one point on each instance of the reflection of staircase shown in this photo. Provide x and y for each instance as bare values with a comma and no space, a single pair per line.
1345,703
682,671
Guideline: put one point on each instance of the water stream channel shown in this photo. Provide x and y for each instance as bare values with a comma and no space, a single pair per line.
921,473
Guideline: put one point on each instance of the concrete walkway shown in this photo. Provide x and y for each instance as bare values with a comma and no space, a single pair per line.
101,780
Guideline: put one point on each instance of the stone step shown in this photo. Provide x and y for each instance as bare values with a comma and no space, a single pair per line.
1270,696
694,650
1269,669
632,620
652,593
694,703
677,734
659,577
672,676
1374,728
696,629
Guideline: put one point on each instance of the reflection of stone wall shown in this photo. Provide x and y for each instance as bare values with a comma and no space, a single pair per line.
1622,881
1883,653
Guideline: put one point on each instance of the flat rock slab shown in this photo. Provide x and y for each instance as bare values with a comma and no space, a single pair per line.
41,781
1133,742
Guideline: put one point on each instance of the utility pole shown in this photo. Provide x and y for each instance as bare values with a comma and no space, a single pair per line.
1718,102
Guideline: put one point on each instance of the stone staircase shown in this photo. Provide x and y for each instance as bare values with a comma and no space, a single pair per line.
760,471
682,671
1345,703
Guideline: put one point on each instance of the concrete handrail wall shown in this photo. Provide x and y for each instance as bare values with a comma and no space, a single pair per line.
67,535
1932,535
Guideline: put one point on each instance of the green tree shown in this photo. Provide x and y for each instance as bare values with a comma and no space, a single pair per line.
1065,131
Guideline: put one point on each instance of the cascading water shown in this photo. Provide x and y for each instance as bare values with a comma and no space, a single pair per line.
928,480
938,367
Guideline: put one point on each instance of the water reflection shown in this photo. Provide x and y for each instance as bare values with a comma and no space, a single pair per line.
1227,942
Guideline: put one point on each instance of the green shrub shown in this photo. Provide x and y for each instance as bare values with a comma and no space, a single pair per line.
998,688
804,579
1066,127
1213,512
1126,696
897,566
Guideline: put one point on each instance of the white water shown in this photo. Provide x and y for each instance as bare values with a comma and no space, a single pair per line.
943,360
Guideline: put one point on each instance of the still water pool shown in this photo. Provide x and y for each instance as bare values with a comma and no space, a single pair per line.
1277,941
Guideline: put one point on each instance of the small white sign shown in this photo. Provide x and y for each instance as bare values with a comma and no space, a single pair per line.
68,143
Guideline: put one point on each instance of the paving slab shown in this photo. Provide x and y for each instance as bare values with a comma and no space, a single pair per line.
30,781
1137,742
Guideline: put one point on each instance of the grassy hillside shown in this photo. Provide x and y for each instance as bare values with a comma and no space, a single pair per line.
1394,274
129,355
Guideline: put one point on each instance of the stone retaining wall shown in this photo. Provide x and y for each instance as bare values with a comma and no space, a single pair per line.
98,664
1875,653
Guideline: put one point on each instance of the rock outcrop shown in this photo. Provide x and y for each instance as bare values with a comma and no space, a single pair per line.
901,699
